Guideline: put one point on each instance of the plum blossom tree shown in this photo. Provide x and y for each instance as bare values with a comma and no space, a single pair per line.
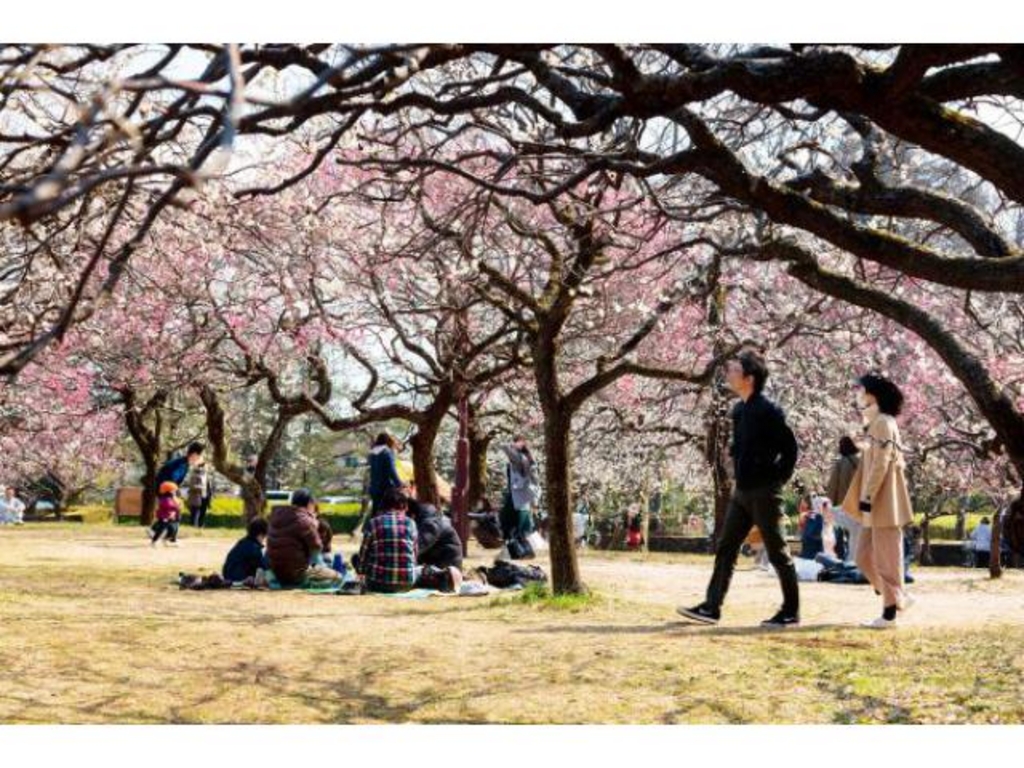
56,427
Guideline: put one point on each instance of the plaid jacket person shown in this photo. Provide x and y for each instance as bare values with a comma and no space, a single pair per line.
387,557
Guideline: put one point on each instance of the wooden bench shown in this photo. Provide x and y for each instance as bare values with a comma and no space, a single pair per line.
128,503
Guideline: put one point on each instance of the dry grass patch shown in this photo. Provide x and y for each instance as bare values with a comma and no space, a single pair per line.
92,629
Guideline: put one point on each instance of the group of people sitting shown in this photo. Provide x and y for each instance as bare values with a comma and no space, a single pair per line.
512,526
405,545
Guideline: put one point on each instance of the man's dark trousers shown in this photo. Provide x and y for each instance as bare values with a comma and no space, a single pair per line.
761,507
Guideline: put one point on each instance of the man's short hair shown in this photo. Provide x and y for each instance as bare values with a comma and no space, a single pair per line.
194,449
302,498
753,364
257,527
393,499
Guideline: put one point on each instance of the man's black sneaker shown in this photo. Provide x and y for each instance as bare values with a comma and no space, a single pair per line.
701,614
781,621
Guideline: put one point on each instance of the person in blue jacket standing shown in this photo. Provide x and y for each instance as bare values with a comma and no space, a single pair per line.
383,470
175,470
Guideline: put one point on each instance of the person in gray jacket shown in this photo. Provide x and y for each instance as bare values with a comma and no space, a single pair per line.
516,512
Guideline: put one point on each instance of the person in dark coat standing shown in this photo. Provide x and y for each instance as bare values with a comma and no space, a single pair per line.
764,452
383,470
521,495
175,470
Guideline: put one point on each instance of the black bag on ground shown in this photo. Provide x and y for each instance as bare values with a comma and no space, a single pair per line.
209,581
520,549
504,574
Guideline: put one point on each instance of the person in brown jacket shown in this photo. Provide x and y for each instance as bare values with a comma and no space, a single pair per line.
878,496
294,546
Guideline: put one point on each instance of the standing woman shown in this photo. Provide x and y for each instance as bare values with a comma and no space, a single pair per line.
878,496
516,513
199,494
383,470
843,470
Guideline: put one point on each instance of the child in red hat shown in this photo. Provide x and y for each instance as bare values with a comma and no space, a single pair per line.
168,513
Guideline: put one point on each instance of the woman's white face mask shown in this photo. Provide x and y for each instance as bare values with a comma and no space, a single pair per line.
862,399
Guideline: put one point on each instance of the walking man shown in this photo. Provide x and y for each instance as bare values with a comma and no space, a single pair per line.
764,454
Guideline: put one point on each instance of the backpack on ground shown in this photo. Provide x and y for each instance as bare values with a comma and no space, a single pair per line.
505,574
519,548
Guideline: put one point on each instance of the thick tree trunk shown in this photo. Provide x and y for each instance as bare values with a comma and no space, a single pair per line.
364,505
148,512
479,444
926,542
565,571
645,520
148,439
253,486
995,560
422,444
960,529
719,426
717,455
254,500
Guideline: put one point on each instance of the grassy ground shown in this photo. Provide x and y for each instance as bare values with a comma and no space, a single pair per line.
92,629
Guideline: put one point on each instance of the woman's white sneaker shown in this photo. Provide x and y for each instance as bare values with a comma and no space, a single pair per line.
905,604
880,623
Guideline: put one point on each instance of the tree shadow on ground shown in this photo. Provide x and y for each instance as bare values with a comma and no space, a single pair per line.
326,689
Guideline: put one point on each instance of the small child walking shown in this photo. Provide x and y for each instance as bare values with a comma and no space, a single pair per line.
168,513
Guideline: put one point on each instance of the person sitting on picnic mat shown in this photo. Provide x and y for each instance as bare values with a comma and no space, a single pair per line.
294,547
387,557
246,557
437,541
323,529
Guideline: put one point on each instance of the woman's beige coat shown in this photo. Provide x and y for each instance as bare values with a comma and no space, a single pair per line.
881,479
